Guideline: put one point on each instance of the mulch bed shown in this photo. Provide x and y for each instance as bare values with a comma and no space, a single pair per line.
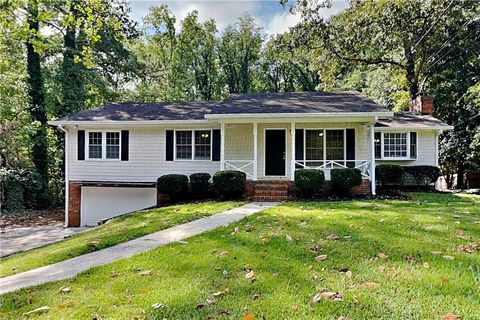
32,218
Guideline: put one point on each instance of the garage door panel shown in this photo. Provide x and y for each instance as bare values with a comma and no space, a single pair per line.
100,203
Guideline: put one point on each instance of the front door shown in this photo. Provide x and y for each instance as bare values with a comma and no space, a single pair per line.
275,152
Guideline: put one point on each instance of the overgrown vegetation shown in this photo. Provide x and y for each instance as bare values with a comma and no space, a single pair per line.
376,259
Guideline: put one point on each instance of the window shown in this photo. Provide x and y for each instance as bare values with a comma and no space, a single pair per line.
193,145
103,145
335,145
95,145
202,145
413,145
184,145
378,145
324,145
395,145
113,145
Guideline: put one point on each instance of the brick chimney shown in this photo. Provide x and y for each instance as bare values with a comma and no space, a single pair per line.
422,105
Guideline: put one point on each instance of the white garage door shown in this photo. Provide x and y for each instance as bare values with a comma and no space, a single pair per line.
99,203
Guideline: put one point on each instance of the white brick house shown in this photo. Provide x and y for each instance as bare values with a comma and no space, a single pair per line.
114,154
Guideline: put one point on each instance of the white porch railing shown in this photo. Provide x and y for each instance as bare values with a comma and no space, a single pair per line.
241,165
327,165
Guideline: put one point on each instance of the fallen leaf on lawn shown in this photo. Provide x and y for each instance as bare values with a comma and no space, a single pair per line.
288,238
333,237
38,310
328,295
221,293
303,224
249,317
256,296
382,255
223,253
436,253
426,265
223,313
145,273
451,316
470,248
410,258
370,284
158,305
295,309
249,228
113,274
67,304
314,249
321,257
200,306
448,257
64,290
94,243
349,274
381,268
250,274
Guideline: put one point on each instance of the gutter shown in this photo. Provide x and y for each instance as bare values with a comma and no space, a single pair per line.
299,115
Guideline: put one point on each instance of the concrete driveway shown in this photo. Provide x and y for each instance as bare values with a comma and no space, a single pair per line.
14,240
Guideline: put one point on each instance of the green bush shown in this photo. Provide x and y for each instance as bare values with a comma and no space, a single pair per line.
20,188
422,175
389,175
230,183
345,179
309,181
200,183
174,185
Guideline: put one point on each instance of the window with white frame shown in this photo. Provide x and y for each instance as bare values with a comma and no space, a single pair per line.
193,144
395,145
323,144
103,145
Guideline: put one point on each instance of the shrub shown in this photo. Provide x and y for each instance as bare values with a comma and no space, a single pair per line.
422,175
19,188
389,175
309,181
200,183
230,183
173,184
345,179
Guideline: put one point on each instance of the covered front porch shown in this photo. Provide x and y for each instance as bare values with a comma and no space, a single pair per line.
267,150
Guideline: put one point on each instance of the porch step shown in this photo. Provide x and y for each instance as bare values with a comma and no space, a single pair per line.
275,190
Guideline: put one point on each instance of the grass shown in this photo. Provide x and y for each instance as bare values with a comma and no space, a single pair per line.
116,231
411,283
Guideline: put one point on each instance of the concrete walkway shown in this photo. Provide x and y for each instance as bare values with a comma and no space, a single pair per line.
14,240
70,268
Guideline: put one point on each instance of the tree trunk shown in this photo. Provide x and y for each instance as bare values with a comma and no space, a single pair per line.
460,175
37,102
410,70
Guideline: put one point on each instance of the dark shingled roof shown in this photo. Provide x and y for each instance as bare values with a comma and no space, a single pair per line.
409,119
297,102
145,111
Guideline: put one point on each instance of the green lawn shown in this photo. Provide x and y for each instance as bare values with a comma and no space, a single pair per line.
117,230
381,265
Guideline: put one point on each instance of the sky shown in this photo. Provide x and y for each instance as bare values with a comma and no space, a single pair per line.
269,14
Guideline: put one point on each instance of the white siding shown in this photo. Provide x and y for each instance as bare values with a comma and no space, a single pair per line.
146,160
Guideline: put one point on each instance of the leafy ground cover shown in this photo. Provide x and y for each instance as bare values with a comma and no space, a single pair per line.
372,259
116,231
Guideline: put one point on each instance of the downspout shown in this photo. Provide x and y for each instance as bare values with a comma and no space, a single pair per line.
61,128
373,180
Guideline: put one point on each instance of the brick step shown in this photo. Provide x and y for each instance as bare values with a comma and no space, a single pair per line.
271,192
270,198
271,187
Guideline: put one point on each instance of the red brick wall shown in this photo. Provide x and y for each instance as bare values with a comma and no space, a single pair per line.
74,196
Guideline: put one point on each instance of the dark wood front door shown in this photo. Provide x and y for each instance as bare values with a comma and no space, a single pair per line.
275,152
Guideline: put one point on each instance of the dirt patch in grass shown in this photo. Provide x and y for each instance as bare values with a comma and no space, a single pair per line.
32,218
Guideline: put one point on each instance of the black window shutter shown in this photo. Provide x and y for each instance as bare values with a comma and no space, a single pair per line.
125,145
169,145
81,145
299,144
216,145
350,147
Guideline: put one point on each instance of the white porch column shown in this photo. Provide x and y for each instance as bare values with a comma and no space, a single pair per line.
292,161
222,146
255,151
372,158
